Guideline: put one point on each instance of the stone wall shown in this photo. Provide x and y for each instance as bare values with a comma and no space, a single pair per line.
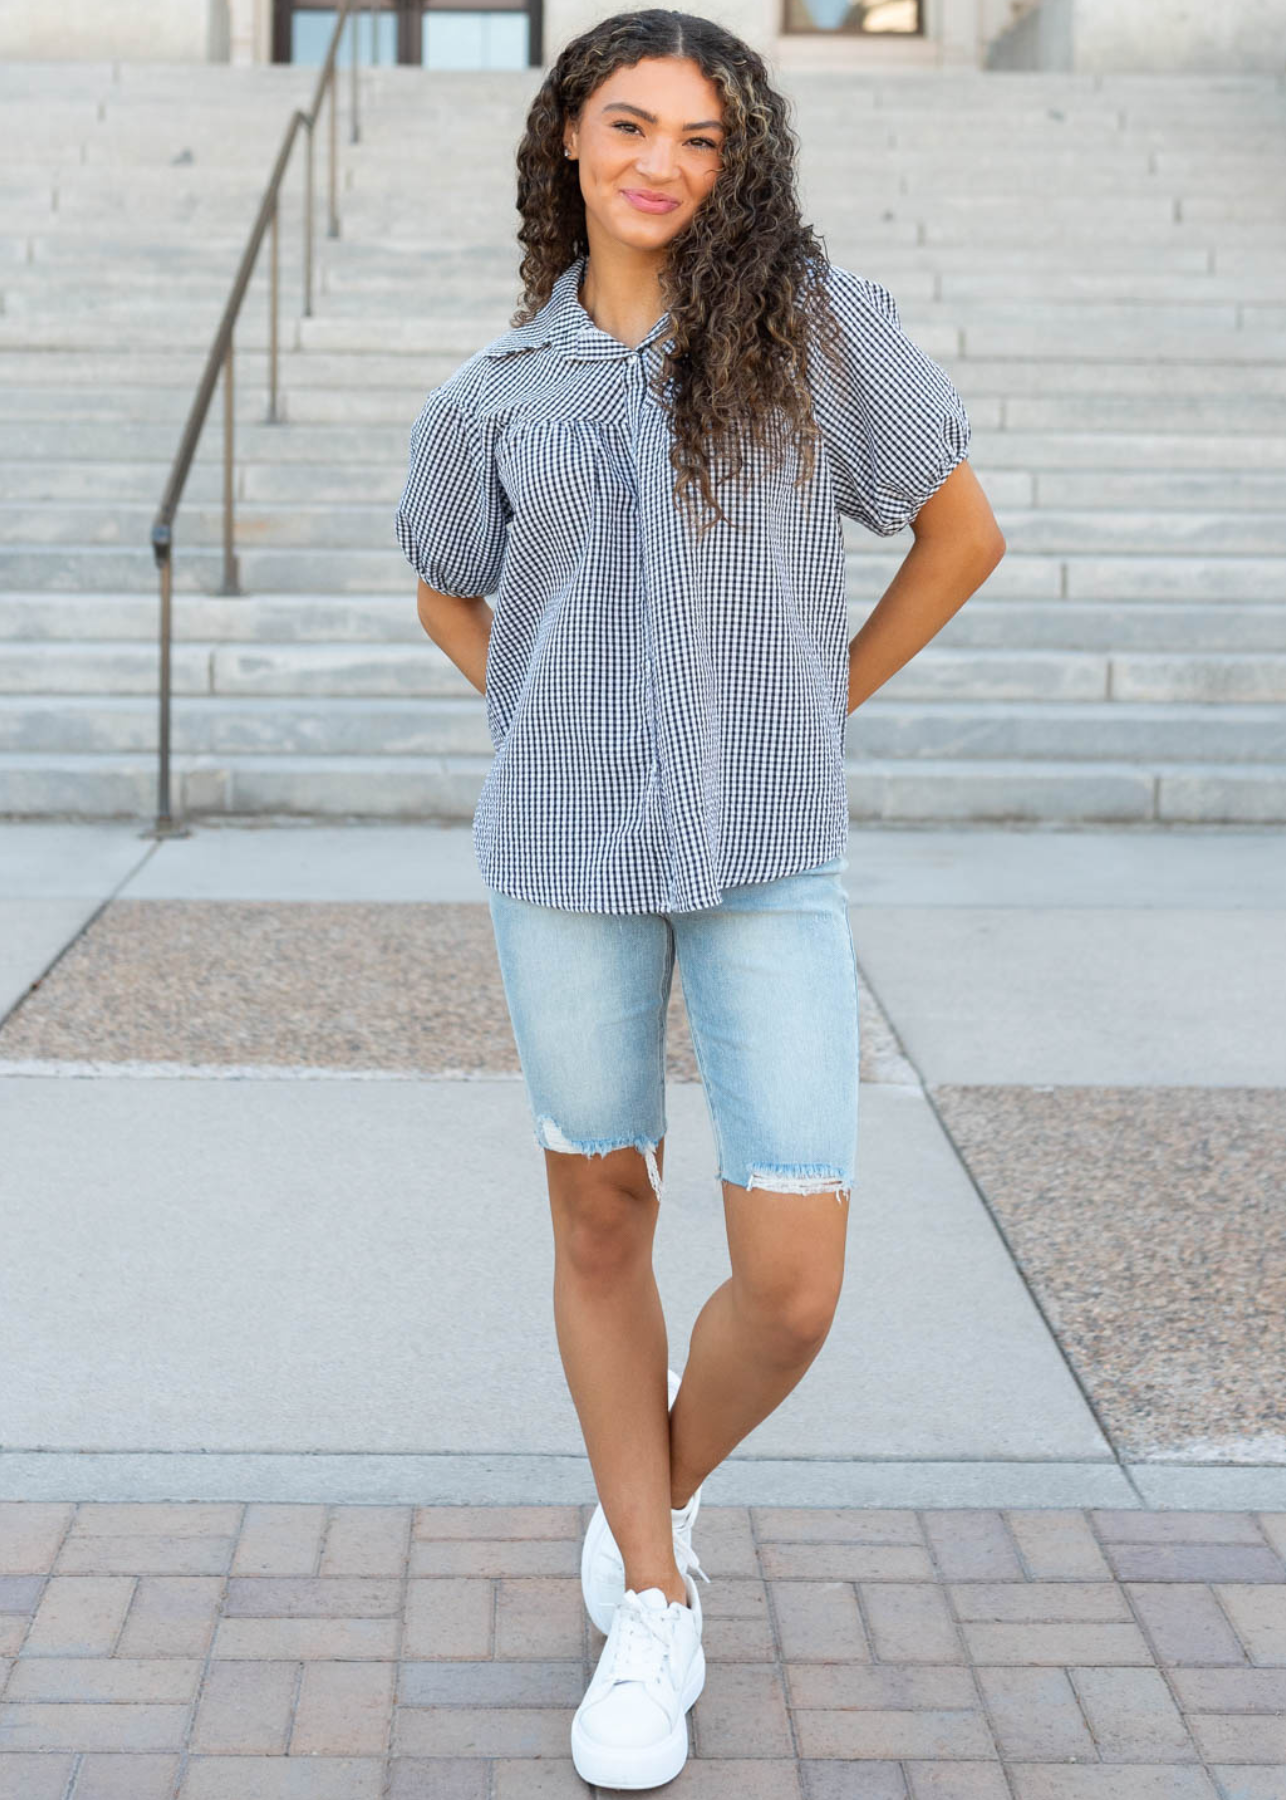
1161,37
101,30
1194,37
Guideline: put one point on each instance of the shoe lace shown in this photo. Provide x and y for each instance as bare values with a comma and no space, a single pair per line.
684,1543
642,1641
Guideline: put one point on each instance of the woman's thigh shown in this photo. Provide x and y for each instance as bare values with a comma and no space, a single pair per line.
587,995
770,986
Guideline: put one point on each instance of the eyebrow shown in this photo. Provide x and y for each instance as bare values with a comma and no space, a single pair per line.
625,106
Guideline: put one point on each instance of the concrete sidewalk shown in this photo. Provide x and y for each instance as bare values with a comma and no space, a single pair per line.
292,1241
291,1489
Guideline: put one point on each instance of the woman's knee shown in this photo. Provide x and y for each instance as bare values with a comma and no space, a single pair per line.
604,1219
793,1309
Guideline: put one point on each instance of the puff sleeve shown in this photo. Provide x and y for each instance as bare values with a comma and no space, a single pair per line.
453,517
892,423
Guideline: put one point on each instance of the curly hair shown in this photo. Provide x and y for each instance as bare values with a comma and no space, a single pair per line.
742,281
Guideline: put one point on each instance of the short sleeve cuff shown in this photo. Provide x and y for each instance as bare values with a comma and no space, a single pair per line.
452,519
896,508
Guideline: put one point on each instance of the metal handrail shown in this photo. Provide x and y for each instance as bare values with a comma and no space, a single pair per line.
220,360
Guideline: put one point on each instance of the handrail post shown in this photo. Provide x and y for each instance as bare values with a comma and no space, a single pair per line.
333,86
230,585
273,286
354,132
308,219
164,824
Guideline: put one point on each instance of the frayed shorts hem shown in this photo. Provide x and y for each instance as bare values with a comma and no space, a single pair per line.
803,1178
550,1136
800,1178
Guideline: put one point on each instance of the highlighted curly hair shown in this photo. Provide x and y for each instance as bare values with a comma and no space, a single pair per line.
743,280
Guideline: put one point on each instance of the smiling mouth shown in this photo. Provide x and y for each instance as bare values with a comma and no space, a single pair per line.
653,202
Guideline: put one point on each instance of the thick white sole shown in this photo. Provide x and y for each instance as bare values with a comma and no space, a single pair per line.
639,1766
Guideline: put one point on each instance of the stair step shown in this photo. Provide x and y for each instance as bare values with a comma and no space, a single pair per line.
1057,677
1173,627
396,378
331,525
447,788
445,722
198,569
377,483
384,446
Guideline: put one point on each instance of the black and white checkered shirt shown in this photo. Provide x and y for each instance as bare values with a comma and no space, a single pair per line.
668,713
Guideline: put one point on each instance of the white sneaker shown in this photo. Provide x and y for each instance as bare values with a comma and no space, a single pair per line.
631,1728
602,1567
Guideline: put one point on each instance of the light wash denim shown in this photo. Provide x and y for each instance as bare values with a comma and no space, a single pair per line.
770,987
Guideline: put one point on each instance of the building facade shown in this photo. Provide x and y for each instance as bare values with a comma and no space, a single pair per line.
1201,36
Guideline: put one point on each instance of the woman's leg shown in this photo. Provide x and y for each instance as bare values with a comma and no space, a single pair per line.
757,1334
588,995
770,982
611,1335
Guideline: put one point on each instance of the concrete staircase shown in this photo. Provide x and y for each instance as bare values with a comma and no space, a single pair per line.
1099,262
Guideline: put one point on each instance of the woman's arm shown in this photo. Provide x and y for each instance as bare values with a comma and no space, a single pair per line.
460,627
957,545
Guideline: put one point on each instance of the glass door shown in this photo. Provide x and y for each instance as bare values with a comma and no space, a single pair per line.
855,18
499,37
429,34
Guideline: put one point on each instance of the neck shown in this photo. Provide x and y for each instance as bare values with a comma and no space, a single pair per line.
621,291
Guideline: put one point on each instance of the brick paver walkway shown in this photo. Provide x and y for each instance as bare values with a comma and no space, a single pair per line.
295,1652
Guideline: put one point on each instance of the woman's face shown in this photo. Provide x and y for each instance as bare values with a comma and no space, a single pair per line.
648,145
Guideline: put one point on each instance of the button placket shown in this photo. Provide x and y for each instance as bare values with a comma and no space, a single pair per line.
635,393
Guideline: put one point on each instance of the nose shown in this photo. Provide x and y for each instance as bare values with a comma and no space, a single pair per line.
655,162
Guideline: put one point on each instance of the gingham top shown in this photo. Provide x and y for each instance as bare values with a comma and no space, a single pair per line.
668,714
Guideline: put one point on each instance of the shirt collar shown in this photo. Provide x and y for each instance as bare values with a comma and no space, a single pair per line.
563,322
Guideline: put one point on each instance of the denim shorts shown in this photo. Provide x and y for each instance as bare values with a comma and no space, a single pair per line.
769,981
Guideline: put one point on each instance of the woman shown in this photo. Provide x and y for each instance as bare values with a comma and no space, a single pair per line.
648,472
